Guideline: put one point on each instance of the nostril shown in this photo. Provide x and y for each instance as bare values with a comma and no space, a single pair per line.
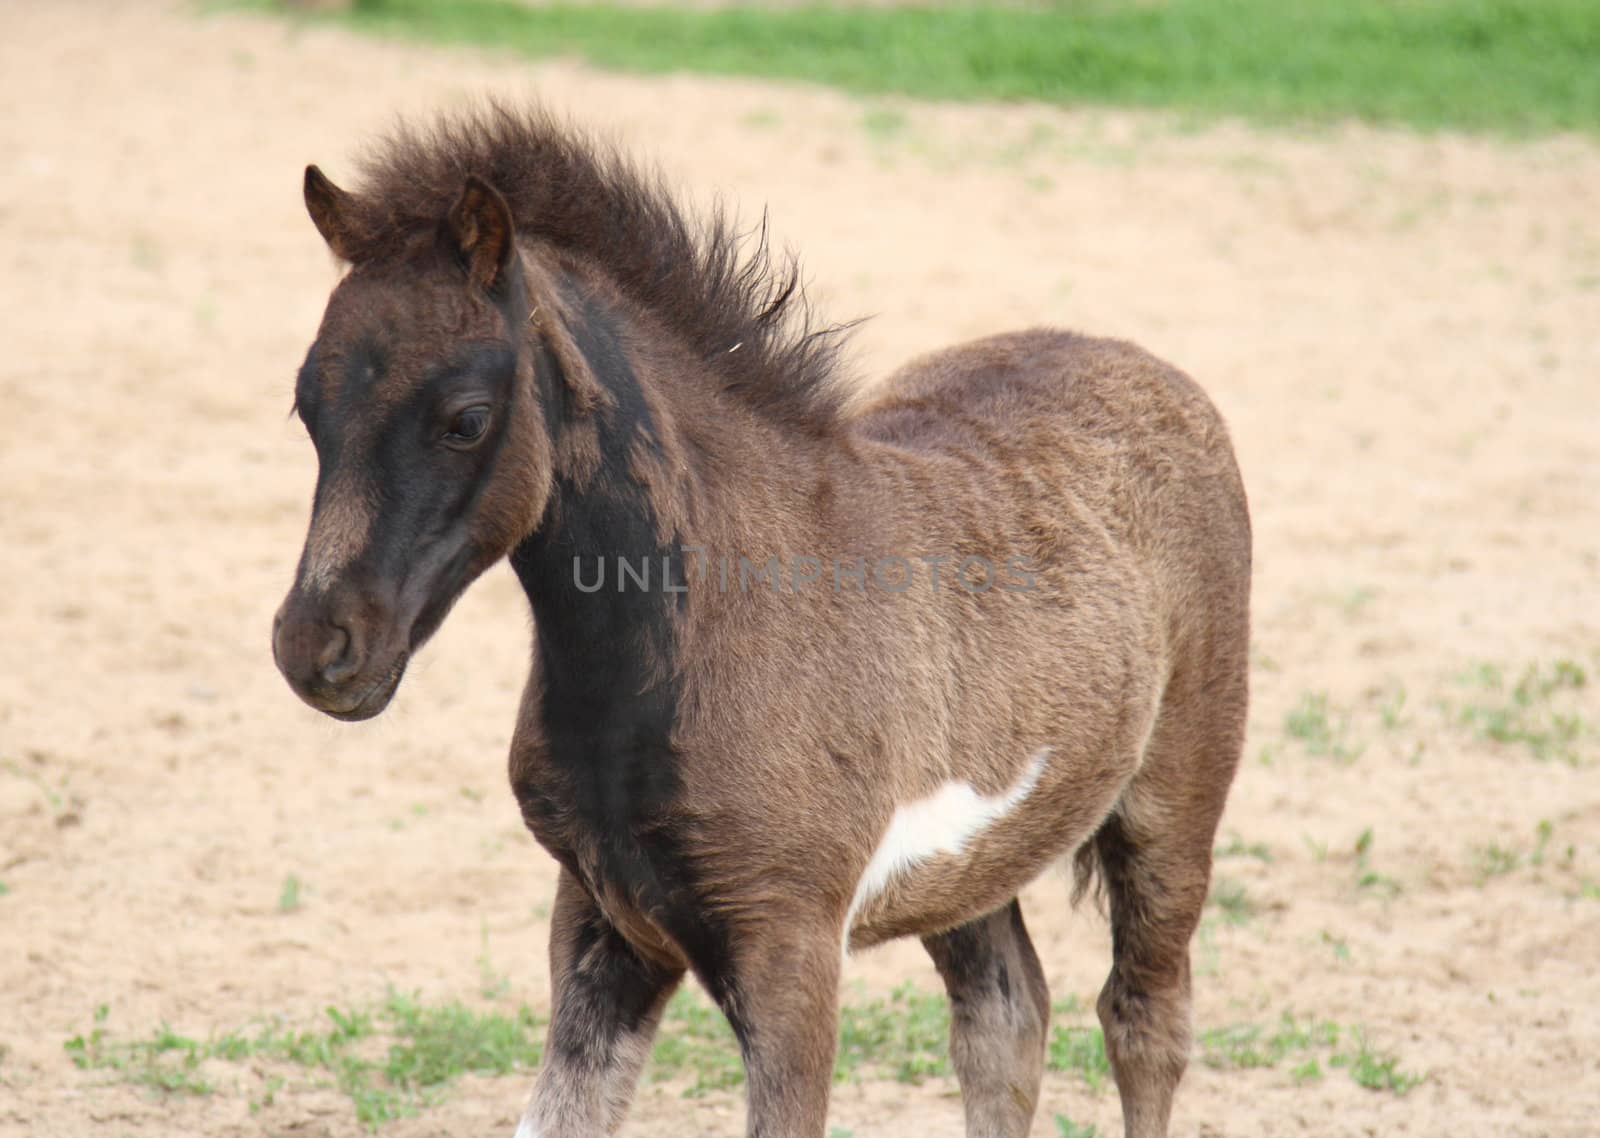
337,662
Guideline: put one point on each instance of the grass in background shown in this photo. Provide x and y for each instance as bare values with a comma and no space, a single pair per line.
1236,846
1496,860
289,895
1323,729
1539,711
1497,65
391,1061
1232,903
904,1037
1066,1128
1368,878
1306,1044
400,1056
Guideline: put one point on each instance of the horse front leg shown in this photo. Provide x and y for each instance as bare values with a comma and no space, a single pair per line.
606,1002
782,998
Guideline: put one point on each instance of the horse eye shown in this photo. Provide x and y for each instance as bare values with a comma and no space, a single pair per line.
469,425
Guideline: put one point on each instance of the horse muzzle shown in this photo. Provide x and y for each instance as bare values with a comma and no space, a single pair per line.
338,658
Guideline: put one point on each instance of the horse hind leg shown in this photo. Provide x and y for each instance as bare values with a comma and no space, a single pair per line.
1000,1017
1154,858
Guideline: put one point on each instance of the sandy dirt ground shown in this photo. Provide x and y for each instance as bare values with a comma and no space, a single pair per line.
1404,333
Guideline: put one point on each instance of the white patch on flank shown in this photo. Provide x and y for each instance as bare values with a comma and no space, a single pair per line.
526,1128
942,823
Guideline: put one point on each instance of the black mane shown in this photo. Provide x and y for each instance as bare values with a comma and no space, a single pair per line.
746,316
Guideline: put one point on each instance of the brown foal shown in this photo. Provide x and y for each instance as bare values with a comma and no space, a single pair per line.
810,671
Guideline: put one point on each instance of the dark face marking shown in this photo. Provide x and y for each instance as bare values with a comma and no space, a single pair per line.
409,425
337,382
362,370
431,485
306,393
609,699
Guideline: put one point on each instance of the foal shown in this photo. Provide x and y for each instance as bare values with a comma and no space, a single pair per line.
850,672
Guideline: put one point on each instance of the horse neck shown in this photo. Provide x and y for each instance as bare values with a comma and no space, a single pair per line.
671,464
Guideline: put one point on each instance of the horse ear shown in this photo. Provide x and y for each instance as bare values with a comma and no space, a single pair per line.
480,227
332,212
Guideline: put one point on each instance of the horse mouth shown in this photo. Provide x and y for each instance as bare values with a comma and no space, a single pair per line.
367,702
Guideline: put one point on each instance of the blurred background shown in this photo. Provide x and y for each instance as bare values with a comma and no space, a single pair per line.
1368,228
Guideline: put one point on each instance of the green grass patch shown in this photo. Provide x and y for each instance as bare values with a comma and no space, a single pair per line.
1338,944
1066,1128
1232,903
166,1061
1392,707
1368,878
1538,711
399,1056
1323,729
695,1043
1496,860
1252,1046
1079,1049
1375,1070
904,1037
1236,846
1306,1045
390,1061
289,895
1494,65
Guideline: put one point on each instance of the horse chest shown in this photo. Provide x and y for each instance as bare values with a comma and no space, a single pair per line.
608,814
